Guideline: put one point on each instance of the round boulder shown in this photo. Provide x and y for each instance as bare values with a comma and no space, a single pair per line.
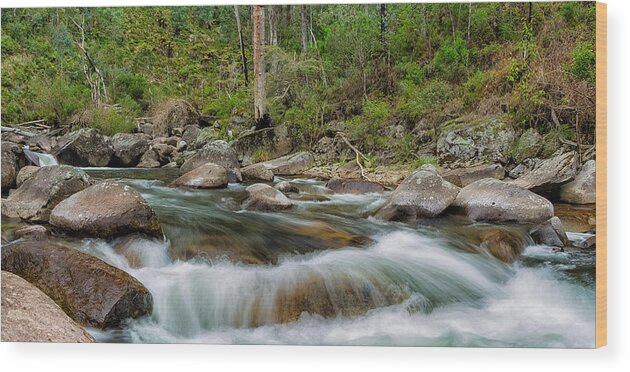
423,194
492,200
24,174
582,189
40,193
128,149
342,186
89,290
550,232
28,315
208,176
217,152
257,172
262,197
106,209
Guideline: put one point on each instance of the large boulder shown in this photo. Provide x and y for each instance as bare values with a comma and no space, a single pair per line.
342,186
128,149
262,197
208,176
528,145
550,232
491,200
217,152
84,148
28,315
264,144
486,140
12,160
291,165
90,291
582,189
464,176
40,193
257,172
423,194
106,209
550,174
149,159
24,174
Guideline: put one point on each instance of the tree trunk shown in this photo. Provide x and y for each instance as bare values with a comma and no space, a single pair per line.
260,111
304,28
468,28
273,36
240,40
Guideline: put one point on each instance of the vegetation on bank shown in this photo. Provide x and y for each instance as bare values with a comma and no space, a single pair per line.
403,68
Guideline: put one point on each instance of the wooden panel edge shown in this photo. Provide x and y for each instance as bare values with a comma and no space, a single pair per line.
601,316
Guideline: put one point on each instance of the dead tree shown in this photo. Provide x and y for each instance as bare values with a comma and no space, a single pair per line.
260,111
240,40
92,73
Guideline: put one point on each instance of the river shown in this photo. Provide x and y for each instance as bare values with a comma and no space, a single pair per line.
324,273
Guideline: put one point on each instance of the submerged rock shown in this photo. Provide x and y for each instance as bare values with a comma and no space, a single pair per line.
423,194
32,232
208,176
549,173
84,148
89,290
492,200
502,244
465,176
291,165
257,172
28,315
582,189
262,197
286,187
40,193
550,232
106,209
342,186
217,152
128,149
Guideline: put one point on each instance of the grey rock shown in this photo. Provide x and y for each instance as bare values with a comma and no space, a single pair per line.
582,189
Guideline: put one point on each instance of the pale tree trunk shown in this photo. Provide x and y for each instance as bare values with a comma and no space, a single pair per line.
468,28
273,36
260,110
240,40
92,73
304,28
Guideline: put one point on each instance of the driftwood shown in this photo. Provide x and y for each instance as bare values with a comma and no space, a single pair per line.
357,153
21,132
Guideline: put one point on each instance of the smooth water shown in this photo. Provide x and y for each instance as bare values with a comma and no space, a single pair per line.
324,274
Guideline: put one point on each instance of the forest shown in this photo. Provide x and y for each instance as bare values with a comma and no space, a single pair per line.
392,73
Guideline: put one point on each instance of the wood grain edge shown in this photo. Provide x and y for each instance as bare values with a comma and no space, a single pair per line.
601,316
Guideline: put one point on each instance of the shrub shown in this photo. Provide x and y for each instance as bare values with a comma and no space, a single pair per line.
425,159
451,59
110,121
58,99
172,113
583,64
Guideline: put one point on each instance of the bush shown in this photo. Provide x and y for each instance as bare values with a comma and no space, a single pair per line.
172,113
583,64
451,59
58,99
418,101
425,159
110,121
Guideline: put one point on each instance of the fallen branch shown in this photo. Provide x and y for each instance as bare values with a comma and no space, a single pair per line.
358,154
17,131
31,122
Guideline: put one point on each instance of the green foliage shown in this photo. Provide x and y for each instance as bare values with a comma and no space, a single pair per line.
57,99
260,154
419,100
425,159
110,122
365,127
451,60
583,64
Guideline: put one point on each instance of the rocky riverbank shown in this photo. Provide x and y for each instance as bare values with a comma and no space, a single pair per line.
488,174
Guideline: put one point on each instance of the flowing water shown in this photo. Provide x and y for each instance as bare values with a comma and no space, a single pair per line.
324,273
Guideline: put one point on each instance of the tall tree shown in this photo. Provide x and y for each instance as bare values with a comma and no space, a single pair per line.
304,28
260,109
240,40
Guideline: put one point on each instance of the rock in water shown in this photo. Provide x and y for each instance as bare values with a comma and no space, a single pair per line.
128,149
502,244
423,194
217,152
286,186
343,186
550,232
104,210
550,173
465,176
28,315
582,190
257,172
276,141
32,232
262,197
24,174
39,194
84,148
492,200
291,165
150,159
208,176
89,290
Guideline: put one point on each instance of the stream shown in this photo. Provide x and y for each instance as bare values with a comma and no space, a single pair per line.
324,273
